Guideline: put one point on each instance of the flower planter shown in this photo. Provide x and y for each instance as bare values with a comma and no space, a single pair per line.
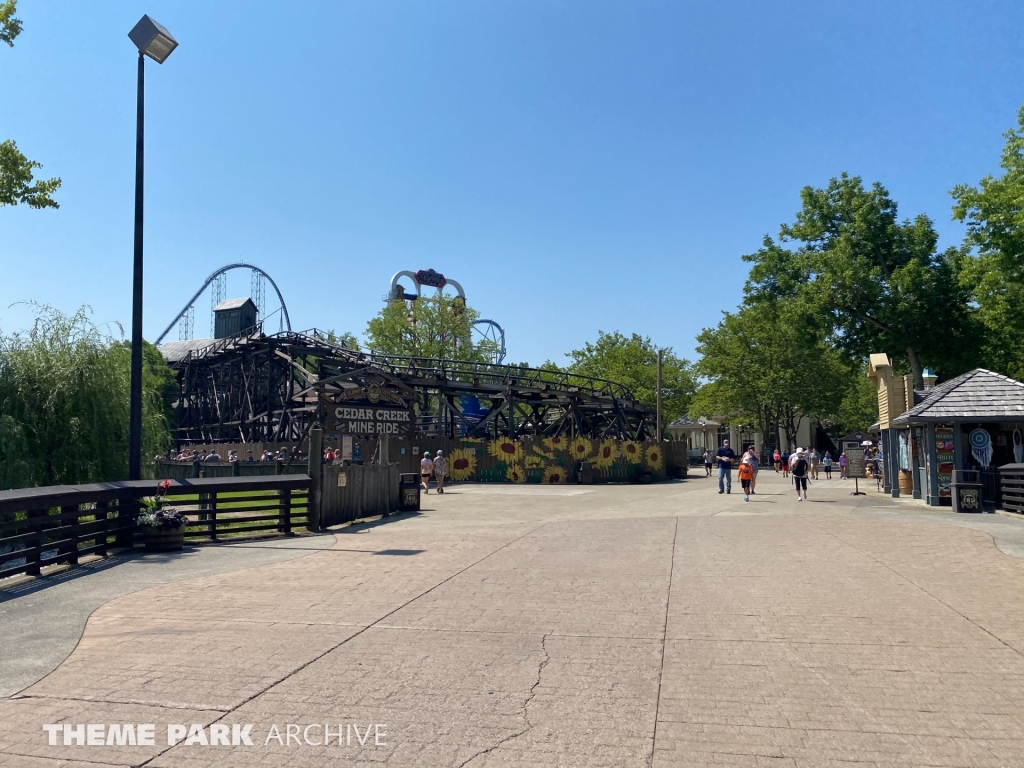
164,540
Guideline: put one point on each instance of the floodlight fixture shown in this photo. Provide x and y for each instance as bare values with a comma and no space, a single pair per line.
153,39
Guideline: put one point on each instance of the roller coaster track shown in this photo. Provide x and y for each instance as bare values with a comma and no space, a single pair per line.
206,284
263,388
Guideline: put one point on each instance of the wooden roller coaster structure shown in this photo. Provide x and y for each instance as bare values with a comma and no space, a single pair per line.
274,388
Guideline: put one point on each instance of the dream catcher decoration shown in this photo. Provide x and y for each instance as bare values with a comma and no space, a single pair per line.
981,446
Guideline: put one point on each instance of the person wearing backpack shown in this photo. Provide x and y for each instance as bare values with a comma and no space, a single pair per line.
799,470
746,475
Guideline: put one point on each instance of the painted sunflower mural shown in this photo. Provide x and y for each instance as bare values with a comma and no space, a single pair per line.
557,443
533,461
554,476
632,451
505,450
654,457
580,449
606,454
515,474
462,464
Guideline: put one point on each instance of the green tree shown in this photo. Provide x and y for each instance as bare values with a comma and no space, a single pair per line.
64,402
346,339
10,27
633,361
869,282
16,179
858,409
438,327
994,214
765,365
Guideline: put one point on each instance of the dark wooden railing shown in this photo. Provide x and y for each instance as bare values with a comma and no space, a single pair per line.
1011,477
40,527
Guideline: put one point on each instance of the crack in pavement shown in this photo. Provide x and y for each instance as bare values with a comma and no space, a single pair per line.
525,707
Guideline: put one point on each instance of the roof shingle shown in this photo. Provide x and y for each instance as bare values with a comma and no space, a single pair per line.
978,395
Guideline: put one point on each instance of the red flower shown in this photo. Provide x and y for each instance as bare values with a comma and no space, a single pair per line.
165,485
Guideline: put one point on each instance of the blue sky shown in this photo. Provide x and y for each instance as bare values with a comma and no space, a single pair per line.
575,165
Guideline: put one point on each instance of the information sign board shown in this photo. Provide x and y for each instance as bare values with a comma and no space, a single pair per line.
855,462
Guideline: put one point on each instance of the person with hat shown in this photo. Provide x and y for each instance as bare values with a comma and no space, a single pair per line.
440,470
725,456
426,467
799,470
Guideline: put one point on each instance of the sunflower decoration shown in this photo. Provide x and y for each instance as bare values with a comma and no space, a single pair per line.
631,451
580,449
533,461
606,453
558,443
654,457
505,449
462,464
515,474
554,475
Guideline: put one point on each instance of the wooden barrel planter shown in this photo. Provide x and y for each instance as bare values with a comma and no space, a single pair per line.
906,482
164,540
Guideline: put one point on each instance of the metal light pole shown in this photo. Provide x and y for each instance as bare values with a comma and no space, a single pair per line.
660,353
155,41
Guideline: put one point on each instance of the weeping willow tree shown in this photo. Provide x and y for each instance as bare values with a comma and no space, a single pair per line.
64,387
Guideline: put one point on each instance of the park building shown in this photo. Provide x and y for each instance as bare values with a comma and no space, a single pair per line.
710,432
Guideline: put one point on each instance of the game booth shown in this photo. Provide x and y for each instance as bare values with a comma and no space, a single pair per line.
950,441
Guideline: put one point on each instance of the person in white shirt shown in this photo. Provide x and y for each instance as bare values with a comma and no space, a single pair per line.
426,468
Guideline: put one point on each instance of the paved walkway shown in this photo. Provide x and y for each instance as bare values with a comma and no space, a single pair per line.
562,626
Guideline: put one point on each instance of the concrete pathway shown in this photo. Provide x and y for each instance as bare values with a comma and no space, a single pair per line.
565,626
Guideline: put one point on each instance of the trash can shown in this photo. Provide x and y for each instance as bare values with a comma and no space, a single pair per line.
966,491
585,475
409,492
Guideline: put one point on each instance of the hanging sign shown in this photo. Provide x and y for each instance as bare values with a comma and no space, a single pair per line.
372,410
356,420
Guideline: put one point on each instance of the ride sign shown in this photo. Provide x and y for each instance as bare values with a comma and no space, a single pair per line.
370,421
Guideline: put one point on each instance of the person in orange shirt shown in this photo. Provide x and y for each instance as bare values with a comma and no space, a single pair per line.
746,474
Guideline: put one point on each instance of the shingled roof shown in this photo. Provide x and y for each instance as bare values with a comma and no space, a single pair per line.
977,395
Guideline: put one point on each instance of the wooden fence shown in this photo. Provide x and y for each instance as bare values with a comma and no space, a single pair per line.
1011,477
40,527
351,492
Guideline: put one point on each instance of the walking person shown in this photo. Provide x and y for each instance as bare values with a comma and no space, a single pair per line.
800,468
426,467
746,476
726,456
751,458
813,458
777,460
826,464
708,457
842,465
440,470
785,463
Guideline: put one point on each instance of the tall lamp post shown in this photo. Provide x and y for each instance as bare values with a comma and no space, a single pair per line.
155,41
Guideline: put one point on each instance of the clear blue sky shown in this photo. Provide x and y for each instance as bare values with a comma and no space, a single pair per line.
575,165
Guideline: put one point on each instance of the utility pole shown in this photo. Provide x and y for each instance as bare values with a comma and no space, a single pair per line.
659,394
